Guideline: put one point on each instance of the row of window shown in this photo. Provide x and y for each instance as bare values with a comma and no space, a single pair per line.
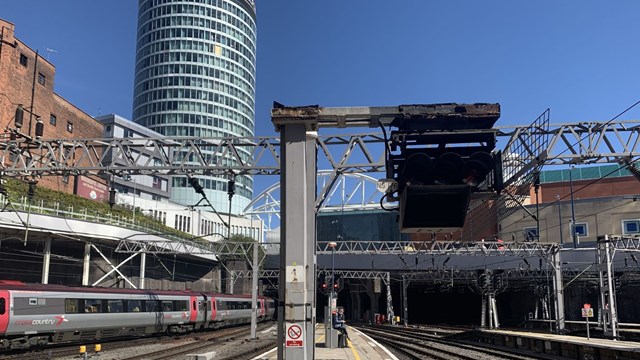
629,227
238,17
192,131
195,82
189,116
239,52
182,223
214,73
178,94
166,112
213,61
53,120
191,21
75,306
211,184
24,61
234,305
211,156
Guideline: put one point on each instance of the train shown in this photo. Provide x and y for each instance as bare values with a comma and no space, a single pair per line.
37,315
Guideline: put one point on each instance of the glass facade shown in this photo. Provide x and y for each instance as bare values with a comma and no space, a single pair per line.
195,76
359,226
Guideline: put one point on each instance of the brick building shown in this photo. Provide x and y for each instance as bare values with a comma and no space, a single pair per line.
27,78
605,202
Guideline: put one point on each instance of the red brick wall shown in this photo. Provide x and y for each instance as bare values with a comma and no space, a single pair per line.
588,189
16,84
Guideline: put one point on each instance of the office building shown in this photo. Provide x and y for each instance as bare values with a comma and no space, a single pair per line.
195,77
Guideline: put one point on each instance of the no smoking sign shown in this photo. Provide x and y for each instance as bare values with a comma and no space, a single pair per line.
294,336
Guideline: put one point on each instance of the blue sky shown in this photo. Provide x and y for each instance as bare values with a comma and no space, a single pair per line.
580,58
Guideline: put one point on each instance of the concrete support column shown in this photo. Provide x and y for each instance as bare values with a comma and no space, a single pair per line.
374,298
143,266
390,313
85,264
405,302
46,261
483,316
297,236
254,292
558,288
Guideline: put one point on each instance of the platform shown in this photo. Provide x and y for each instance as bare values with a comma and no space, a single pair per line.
360,347
574,347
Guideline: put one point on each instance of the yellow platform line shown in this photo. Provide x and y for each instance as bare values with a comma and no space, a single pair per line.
353,350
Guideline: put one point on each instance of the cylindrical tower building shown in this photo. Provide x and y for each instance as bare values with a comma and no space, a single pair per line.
195,76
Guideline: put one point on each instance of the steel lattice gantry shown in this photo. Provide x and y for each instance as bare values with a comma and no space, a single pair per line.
589,142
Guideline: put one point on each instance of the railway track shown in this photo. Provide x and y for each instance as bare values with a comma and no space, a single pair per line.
432,343
199,344
190,343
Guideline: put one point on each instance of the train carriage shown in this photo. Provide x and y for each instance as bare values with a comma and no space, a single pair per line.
36,315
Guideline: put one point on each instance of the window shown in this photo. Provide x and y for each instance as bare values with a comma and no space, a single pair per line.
53,120
582,229
65,178
23,60
152,306
93,306
167,306
530,233
134,305
69,126
114,306
181,305
631,226
41,79
3,306
71,306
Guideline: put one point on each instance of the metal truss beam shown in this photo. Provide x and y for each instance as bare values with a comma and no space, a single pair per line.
241,249
586,142
435,248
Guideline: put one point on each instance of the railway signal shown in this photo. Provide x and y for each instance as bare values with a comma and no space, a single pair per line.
440,157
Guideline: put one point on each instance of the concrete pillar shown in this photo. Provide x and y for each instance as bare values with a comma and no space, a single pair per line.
405,302
297,237
85,264
46,261
254,291
143,266
558,288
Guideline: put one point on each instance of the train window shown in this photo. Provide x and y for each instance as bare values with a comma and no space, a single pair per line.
114,306
33,301
92,306
181,305
71,306
193,306
3,306
134,305
152,306
213,305
208,306
201,305
167,306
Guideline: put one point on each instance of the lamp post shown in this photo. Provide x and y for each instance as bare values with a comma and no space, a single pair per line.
573,214
332,245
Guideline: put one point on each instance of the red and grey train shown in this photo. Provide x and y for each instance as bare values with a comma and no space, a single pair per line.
39,315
